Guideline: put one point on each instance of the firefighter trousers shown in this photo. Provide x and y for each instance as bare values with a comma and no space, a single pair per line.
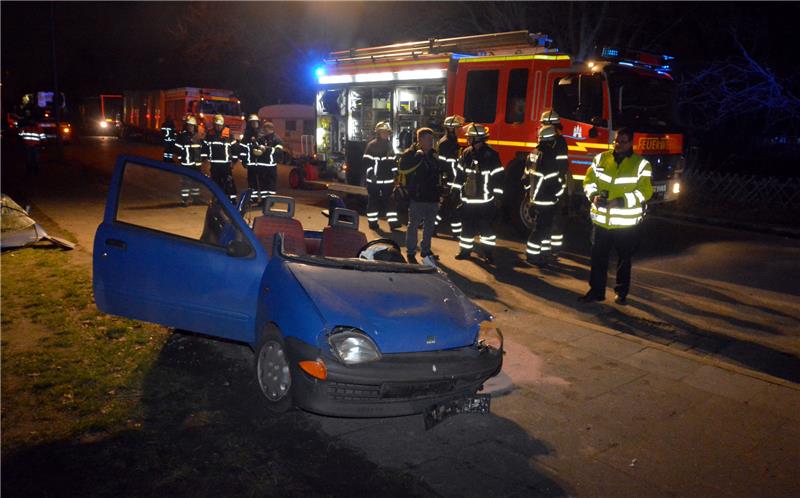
450,213
189,187
540,241
477,220
625,241
221,174
380,201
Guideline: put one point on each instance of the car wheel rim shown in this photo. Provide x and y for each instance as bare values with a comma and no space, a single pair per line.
273,371
525,212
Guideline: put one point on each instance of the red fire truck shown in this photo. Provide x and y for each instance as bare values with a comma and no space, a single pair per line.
504,81
145,111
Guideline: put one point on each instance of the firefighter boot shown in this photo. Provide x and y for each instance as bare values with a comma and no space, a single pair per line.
463,254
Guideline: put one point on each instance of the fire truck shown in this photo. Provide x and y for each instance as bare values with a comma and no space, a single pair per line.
145,111
503,81
42,116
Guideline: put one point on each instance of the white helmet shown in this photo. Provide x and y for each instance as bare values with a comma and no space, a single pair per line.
475,130
550,117
190,120
253,117
452,122
219,120
547,133
383,126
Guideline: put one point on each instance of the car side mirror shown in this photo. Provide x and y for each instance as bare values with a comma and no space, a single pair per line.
238,249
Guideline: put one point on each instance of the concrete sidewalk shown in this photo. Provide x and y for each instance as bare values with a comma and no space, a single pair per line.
594,413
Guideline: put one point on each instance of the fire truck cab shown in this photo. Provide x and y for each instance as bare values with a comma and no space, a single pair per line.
504,81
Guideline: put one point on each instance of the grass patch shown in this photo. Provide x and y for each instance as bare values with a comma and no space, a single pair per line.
61,356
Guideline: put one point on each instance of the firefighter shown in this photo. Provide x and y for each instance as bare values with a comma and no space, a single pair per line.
249,151
617,185
187,150
480,178
168,130
31,135
423,168
545,183
449,151
267,162
551,117
217,150
381,169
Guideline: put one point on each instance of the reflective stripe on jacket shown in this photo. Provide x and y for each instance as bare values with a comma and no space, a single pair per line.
380,163
628,180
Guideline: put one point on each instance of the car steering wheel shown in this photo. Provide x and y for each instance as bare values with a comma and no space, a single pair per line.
371,243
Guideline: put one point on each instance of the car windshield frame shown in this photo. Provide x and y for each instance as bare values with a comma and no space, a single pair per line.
350,263
654,98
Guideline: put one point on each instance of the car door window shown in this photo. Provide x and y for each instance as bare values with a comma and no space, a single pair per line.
480,100
151,198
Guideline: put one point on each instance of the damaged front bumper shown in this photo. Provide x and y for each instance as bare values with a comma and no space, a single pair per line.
397,384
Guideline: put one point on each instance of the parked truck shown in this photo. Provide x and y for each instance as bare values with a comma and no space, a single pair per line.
504,81
145,110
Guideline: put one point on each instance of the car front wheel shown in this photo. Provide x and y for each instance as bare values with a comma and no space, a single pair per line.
272,370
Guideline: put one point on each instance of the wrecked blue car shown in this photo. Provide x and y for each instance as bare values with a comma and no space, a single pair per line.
339,325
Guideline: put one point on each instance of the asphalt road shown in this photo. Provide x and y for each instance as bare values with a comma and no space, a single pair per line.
710,334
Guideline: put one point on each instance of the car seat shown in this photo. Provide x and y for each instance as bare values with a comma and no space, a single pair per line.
342,239
279,221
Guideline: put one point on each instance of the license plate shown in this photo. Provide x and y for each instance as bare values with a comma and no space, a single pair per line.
480,403
659,188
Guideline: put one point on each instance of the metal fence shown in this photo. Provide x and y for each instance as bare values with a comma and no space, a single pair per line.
760,191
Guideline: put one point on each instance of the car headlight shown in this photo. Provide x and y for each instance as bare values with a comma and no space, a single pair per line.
353,346
490,337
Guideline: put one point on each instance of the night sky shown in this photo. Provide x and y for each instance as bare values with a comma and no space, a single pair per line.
266,50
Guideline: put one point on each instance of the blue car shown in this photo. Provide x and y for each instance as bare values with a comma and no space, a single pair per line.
339,325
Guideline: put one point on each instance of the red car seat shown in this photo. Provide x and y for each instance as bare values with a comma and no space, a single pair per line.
280,221
341,239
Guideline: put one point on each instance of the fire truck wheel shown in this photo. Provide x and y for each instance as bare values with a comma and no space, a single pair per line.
296,178
514,199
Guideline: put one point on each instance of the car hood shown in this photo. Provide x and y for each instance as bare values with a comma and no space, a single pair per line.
401,312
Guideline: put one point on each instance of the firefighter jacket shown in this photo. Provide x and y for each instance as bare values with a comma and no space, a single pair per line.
247,145
480,175
628,180
423,172
218,147
448,151
273,150
380,164
188,149
545,175
562,155
32,136
168,129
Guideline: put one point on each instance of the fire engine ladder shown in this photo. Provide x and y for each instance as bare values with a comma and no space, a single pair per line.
520,40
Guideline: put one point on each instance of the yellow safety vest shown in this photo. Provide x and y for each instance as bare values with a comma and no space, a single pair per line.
629,180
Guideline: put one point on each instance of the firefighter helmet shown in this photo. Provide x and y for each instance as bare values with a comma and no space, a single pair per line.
219,120
547,133
453,122
190,120
253,117
477,131
550,117
383,126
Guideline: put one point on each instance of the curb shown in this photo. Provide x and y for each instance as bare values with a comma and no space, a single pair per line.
707,360
783,231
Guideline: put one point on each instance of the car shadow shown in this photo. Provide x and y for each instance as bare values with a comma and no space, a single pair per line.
201,430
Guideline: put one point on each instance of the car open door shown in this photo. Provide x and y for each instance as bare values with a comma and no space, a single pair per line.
195,267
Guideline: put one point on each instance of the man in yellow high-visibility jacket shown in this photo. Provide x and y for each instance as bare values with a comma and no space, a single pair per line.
617,185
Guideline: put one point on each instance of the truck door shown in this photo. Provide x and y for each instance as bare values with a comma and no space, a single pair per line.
197,267
581,102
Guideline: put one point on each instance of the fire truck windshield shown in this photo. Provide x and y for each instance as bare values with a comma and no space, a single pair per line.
225,108
645,103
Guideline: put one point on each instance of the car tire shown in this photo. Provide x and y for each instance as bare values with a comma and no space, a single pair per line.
272,370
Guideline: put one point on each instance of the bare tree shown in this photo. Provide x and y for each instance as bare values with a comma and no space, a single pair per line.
739,87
